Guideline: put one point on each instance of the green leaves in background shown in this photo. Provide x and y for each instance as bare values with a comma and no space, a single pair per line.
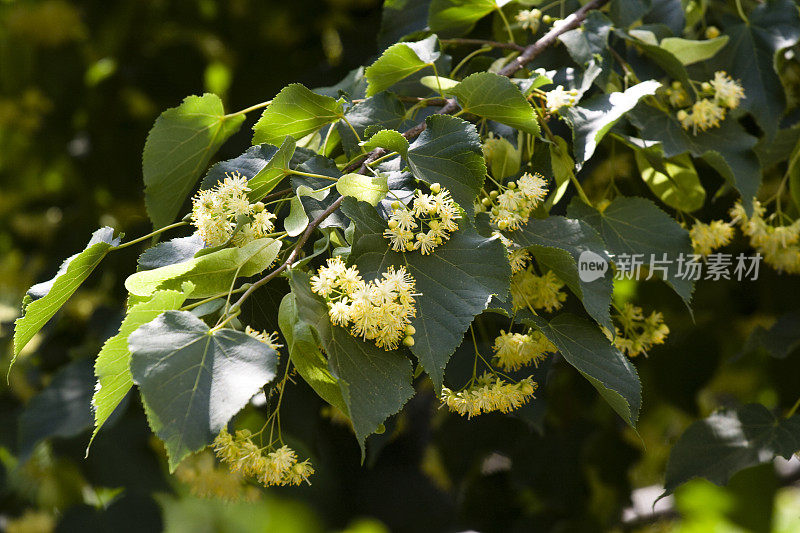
370,189
211,274
632,225
674,181
382,111
178,148
306,356
112,364
728,148
584,347
589,43
457,17
728,441
449,152
592,119
456,282
749,57
504,159
400,61
297,112
557,243
263,165
688,51
45,299
495,97
374,383
193,379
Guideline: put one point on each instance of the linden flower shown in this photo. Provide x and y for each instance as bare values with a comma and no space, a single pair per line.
529,19
708,237
206,480
432,215
537,292
215,213
779,245
270,339
277,467
558,98
705,114
489,393
380,310
727,92
515,350
638,334
677,95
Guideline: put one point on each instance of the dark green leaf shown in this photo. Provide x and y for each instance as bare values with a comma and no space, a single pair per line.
449,152
178,148
297,112
400,18
382,111
632,225
170,252
456,282
558,243
590,43
592,354
779,340
374,383
749,57
48,297
193,379
728,441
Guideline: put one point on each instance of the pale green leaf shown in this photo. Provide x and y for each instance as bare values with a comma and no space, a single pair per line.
297,220
457,17
674,181
495,97
389,139
438,83
400,61
370,189
688,51
296,112
178,148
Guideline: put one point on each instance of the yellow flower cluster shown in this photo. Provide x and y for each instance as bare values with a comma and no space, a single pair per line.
708,237
517,257
426,225
489,393
512,351
277,467
511,206
537,292
216,212
379,310
31,521
270,339
638,333
206,480
778,244
721,93
529,19
558,98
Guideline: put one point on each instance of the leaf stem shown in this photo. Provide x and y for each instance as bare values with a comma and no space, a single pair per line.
468,57
311,175
248,109
149,235
484,43
506,24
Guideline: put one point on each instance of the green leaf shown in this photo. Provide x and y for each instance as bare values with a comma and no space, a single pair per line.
112,364
178,148
779,340
495,97
211,274
193,379
60,410
456,281
438,83
46,298
449,152
374,383
390,139
297,112
400,61
557,243
586,348
457,17
297,220
632,225
590,43
370,189
728,441
671,65
399,18
306,356
592,119
794,175
688,51
504,158
563,170
728,148
674,181
749,57
169,252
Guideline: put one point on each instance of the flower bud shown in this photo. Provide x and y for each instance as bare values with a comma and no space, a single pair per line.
486,202
258,207
705,86
410,330
682,115
435,188
494,194
408,341
395,205
392,224
712,32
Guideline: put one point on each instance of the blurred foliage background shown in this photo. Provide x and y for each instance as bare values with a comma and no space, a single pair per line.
80,85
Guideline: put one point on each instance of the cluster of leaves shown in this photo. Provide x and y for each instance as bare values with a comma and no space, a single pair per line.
330,162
